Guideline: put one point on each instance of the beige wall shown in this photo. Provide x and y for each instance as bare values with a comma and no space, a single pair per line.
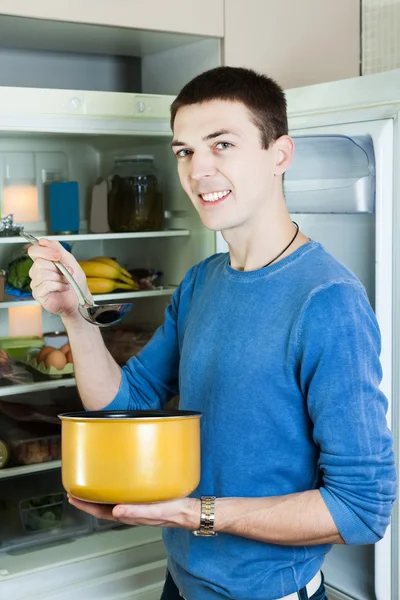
298,42
380,35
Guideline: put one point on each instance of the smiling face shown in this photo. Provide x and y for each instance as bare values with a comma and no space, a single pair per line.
222,166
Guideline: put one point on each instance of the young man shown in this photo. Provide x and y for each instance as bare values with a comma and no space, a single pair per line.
275,343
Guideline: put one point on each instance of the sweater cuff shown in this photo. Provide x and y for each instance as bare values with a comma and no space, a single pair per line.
121,400
352,529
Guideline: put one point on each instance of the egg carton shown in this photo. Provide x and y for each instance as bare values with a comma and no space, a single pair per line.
29,359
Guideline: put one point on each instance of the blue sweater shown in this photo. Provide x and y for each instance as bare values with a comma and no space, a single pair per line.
283,362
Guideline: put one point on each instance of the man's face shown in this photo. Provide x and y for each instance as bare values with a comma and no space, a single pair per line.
221,164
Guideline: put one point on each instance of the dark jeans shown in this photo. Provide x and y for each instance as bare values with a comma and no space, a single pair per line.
171,592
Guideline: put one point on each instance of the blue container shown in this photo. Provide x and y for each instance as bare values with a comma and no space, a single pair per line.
64,207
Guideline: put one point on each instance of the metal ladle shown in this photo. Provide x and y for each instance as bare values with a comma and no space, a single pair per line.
103,315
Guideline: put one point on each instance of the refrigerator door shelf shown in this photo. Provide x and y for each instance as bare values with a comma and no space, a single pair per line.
331,173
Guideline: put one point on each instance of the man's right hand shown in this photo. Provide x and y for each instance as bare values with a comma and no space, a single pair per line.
49,286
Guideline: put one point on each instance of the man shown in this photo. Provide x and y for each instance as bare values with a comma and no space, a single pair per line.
275,343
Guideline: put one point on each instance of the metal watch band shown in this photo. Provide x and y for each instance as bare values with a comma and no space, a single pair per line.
207,517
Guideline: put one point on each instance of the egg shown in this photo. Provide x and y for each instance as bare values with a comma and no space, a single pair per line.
69,357
66,348
43,353
56,359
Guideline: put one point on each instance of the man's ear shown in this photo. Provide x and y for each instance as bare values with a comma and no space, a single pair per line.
284,148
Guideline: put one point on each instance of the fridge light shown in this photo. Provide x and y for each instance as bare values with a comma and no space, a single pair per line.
25,320
22,202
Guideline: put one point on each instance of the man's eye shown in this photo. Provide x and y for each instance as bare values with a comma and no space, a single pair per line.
223,145
182,153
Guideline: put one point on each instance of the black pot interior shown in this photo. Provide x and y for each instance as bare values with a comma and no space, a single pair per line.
130,414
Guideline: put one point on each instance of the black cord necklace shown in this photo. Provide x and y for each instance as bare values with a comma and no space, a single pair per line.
284,250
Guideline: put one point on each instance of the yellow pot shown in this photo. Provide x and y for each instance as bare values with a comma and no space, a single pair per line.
124,457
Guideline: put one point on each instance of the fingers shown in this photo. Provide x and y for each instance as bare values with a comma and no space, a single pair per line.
41,265
43,290
47,249
44,275
51,250
100,511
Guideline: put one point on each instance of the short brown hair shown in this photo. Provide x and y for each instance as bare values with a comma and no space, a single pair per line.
262,96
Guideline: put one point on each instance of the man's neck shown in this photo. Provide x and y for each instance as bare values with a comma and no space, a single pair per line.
257,244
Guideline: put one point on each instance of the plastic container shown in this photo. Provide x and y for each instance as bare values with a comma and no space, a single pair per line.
32,451
27,443
34,512
134,198
42,512
18,346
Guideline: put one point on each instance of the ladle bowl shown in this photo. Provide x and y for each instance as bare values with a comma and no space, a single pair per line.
103,315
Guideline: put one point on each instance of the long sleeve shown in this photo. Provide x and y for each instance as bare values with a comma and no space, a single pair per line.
151,378
340,373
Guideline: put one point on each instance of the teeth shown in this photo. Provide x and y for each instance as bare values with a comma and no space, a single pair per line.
214,196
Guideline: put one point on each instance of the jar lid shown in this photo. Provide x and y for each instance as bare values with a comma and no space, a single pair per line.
3,454
134,157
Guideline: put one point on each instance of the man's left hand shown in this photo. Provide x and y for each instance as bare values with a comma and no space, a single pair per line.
183,513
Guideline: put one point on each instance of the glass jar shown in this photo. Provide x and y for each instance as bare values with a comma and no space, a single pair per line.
134,198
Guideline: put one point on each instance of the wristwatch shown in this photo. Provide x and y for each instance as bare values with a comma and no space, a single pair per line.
207,517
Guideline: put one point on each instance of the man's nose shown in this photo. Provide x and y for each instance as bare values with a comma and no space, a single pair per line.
202,166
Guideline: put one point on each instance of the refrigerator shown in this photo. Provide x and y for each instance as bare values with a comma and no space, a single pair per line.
342,189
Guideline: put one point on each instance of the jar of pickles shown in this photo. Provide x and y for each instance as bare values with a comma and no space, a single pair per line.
134,198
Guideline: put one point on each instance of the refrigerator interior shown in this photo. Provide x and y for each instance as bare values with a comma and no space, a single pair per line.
85,159
43,138
182,242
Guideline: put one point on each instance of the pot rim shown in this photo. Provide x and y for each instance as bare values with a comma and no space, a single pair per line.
129,415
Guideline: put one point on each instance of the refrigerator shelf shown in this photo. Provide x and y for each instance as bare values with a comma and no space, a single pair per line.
29,388
7,473
122,296
81,237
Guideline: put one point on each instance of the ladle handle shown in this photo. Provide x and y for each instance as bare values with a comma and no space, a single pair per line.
81,298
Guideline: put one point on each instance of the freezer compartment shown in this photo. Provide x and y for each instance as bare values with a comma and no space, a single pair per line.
331,174
34,512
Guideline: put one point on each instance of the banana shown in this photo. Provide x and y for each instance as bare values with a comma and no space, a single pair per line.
97,269
111,263
101,285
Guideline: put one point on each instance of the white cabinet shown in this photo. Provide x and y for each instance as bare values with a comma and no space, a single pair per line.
192,17
296,43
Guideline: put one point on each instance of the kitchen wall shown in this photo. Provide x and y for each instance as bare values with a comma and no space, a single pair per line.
380,35
297,42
